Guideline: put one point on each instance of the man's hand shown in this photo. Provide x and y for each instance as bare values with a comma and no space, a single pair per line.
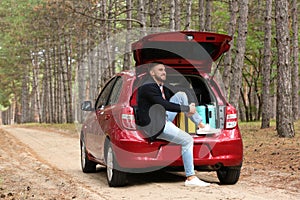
192,109
201,125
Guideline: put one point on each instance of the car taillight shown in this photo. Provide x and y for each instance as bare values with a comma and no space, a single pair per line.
231,118
127,118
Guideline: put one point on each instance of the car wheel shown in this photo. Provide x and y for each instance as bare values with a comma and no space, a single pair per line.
87,166
229,176
115,177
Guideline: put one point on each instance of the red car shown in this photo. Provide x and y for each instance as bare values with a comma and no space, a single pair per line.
109,136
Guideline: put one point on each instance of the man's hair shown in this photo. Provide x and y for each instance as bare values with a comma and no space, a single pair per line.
153,64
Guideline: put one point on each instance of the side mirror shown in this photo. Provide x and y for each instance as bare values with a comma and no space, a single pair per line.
87,106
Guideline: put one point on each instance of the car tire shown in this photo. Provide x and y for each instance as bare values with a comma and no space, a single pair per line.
115,177
87,166
228,175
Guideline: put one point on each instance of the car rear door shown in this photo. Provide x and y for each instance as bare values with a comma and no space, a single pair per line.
181,50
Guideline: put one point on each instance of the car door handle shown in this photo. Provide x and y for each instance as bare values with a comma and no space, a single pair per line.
107,117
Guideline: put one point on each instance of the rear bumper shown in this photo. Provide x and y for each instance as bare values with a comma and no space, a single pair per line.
224,153
208,153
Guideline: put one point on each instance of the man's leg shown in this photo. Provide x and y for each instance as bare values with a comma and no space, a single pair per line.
175,135
181,98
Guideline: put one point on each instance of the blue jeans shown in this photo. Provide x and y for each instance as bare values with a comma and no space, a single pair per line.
175,135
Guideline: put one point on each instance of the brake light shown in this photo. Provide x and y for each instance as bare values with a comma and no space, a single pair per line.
231,118
127,118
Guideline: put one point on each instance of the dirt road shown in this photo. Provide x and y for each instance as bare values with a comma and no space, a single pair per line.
41,164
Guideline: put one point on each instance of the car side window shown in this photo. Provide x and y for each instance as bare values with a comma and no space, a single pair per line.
116,91
102,99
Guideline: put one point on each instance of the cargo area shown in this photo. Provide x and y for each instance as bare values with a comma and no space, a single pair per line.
198,92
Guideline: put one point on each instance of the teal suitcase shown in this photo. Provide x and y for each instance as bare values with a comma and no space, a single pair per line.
208,114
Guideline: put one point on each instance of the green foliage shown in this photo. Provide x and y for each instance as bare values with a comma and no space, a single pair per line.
220,17
15,39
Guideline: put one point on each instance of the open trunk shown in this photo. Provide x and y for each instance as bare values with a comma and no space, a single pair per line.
189,56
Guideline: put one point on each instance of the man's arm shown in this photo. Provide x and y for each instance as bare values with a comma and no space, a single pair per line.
153,94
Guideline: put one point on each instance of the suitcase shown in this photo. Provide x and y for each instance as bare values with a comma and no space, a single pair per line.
208,114
211,116
202,112
185,124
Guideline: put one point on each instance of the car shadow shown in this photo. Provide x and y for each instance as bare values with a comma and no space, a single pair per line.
160,176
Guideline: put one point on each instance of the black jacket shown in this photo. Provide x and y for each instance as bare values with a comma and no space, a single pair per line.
151,112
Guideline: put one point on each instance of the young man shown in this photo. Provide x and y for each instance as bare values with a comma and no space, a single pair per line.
158,107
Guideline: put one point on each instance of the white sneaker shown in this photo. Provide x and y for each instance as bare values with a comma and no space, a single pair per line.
203,130
206,128
196,182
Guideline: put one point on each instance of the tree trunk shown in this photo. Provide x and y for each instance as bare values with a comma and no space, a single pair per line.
92,74
177,15
55,105
266,67
237,66
45,97
142,16
68,79
201,15
295,64
51,87
233,9
10,113
244,111
126,60
36,90
158,14
103,58
107,39
25,96
58,97
208,11
82,70
284,114
63,71
257,100
52,72
155,8
188,15
172,15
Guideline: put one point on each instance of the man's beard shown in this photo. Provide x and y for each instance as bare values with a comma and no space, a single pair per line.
158,78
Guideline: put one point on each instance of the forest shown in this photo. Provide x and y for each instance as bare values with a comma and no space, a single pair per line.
56,53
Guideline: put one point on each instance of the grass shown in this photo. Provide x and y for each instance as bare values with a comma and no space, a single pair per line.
69,128
264,149
247,128
250,129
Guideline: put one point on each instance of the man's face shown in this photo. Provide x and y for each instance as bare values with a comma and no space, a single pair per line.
158,72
